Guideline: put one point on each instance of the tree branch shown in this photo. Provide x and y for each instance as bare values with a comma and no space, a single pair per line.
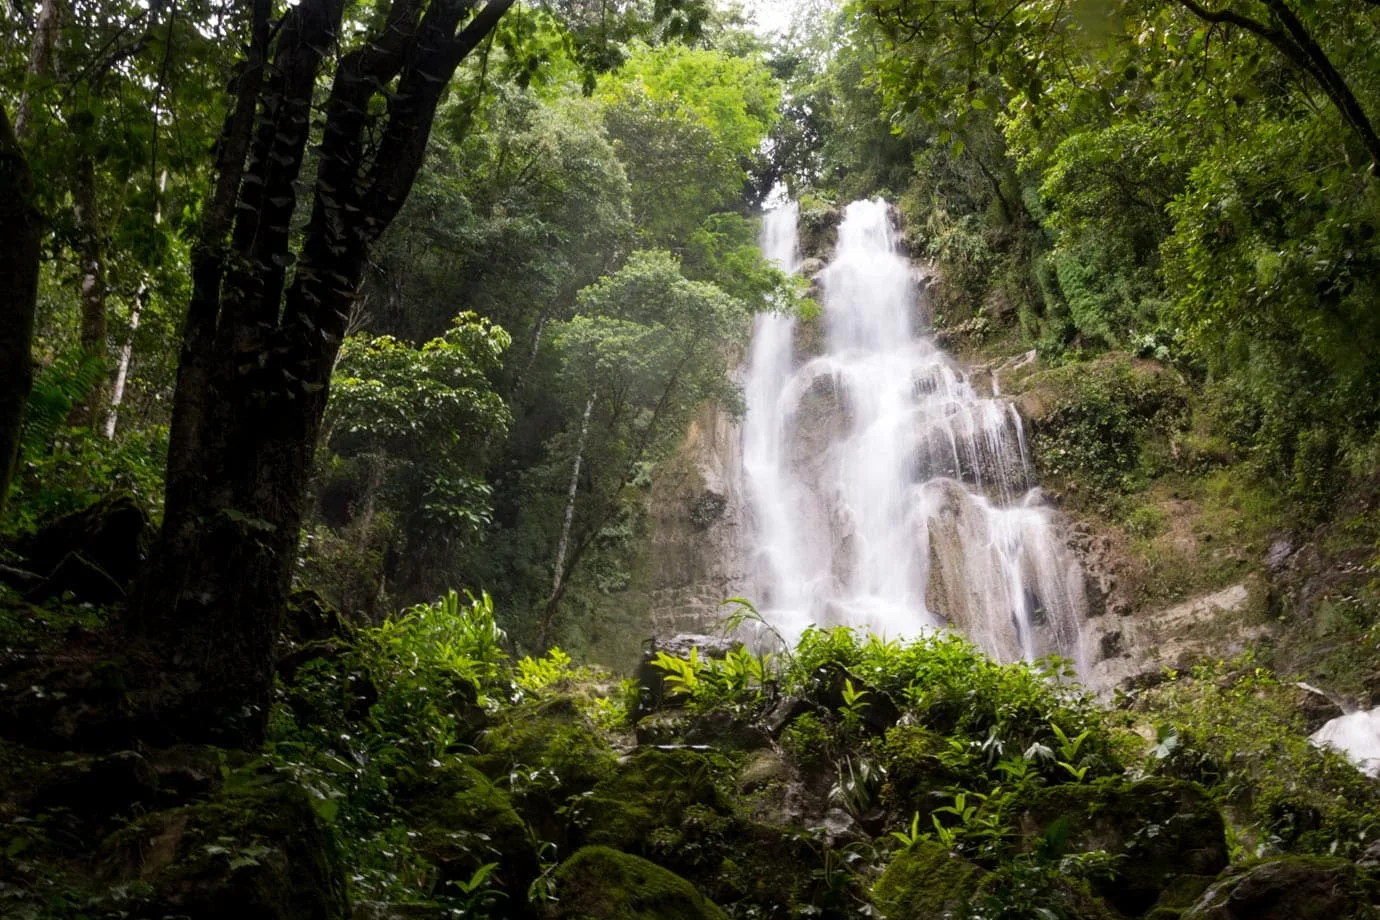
1300,49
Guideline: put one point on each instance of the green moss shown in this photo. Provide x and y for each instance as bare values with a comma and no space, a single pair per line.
916,779
1026,889
553,736
1160,829
599,883
925,882
465,822
662,802
1181,893
263,853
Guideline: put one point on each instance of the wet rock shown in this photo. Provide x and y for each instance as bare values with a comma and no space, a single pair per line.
1280,552
1316,706
1291,888
761,770
718,728
311,619
783,712
828,688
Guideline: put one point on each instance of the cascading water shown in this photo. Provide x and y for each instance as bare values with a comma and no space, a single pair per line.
882,490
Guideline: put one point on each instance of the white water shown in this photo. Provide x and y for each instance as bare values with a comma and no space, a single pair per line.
882,490
1357,735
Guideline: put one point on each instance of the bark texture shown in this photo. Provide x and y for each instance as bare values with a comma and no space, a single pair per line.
20,234
265,324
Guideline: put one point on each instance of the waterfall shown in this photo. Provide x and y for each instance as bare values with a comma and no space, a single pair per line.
882,491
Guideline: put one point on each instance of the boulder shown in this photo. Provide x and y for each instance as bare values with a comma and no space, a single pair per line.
1291,888
598,883
1161,829
109,536
466,822
263,854
926,882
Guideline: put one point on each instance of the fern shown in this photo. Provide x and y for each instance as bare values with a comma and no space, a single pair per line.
58,388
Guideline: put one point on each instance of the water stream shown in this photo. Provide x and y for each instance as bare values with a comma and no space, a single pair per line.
883,490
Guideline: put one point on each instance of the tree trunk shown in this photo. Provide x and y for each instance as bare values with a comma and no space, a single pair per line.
20,235
91,258
558,580
117,392
40,63
258,348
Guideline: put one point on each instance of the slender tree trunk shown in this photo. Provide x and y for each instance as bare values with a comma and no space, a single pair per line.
91,258
563,545
117,393
40,62
20,235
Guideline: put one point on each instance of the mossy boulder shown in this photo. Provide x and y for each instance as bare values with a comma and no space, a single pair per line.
465,822
926,882
916,779
1021,888
660,801
1291,888
558,752
263,854
1160,828
599,883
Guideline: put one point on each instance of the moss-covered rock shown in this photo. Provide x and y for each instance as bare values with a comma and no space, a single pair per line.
659,801
262,854
926,882
465,822
1160,829
916,779
1179,895
1291,888
1034,889
599,883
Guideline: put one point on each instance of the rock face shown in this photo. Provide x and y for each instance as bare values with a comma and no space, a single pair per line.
696,552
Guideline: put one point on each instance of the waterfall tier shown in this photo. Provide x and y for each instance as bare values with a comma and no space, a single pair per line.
882,491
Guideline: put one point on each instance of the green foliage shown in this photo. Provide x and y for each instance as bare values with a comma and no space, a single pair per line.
79,467
1234,728
1104,431
401,472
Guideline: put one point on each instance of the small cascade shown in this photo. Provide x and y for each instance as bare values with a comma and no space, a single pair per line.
882,490
1357,736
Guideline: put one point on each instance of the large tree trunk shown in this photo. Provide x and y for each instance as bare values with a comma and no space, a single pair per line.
258,349
20,235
